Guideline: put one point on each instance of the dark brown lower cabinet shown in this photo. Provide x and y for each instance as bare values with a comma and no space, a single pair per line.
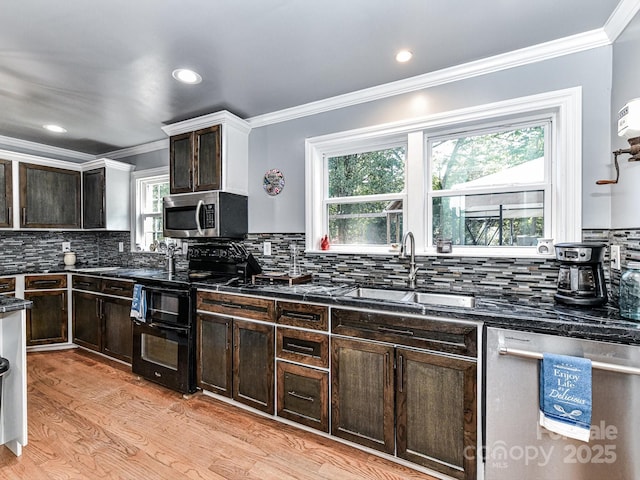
86,320
117,336
235,358
303,395
47,318
418,405
101,322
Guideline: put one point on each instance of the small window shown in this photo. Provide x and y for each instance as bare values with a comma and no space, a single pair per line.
490,188
364,200
149,193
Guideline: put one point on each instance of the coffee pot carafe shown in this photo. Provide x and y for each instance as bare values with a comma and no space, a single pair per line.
581,276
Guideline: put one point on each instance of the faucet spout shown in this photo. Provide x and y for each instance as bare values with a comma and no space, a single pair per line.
413,270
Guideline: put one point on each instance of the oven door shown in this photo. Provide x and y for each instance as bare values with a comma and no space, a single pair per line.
170,306
165,355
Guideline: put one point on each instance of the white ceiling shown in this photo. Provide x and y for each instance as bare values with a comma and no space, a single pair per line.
103,69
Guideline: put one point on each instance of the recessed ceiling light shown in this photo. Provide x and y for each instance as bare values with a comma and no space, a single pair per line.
55,128
403,56
185,75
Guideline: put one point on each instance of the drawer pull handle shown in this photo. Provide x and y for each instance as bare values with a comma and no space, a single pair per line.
395,330
293,346
301,397
301,316
115,287
45,282
230,305
5,286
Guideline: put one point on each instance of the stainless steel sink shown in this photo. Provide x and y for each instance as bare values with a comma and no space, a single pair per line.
446,299
380,294
450,300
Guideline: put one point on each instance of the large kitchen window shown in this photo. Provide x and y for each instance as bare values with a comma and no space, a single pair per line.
492,179
150,186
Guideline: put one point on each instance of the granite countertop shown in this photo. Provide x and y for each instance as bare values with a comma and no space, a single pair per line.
535,314
11,304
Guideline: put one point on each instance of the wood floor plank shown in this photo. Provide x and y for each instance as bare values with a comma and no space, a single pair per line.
91,418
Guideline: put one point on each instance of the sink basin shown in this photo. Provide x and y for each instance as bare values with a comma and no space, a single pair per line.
446,299
380,294
423,298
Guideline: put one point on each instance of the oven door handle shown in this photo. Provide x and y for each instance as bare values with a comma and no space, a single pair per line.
184,292
162,326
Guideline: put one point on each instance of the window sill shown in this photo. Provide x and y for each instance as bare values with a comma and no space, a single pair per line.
457,252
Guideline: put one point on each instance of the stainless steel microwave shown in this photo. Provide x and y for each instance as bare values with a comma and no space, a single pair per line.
205,215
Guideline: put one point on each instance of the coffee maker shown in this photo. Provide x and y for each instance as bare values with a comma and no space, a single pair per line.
581,276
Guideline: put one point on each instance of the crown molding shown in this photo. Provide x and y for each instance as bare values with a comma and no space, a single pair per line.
42,149
620,18
137,150
544,51
218,118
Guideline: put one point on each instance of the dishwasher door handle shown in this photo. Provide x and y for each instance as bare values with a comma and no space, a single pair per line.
610,367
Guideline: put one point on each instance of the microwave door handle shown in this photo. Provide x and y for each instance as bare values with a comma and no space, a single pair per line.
200,203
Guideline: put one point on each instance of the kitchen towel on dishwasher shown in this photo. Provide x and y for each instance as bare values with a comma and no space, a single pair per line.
138,303
565,395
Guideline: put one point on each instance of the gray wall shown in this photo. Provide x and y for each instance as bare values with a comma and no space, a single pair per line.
625,196
282,145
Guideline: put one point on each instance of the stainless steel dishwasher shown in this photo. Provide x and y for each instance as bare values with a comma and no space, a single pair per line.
516,447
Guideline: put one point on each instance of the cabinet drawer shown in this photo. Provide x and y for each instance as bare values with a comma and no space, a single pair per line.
117,287
82,282
45,282
421,332
303,395
310,348
303,315
7,285
238,306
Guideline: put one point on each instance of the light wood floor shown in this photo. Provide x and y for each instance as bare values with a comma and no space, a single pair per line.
90,418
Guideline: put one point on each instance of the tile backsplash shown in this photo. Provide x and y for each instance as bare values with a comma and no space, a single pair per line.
531,277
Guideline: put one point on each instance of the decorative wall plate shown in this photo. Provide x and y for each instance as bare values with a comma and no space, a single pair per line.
273,182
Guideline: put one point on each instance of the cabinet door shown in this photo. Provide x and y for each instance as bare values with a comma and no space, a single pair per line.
214,353
117,340
86,320
47,318
181,163
253,369
93,198
436,408
6,194
49,197
362,393
208,159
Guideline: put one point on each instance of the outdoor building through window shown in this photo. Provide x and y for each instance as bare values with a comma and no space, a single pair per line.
490,188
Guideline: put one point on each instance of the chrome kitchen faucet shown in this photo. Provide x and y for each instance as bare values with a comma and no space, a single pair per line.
413,269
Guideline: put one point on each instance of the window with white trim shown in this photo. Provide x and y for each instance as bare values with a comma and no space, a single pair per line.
492,178
149,189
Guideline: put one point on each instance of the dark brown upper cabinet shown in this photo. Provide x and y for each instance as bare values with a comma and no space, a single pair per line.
49,197
209,153
6,194
106,195
195,161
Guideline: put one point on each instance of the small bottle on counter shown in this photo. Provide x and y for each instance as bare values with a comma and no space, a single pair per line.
630,291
